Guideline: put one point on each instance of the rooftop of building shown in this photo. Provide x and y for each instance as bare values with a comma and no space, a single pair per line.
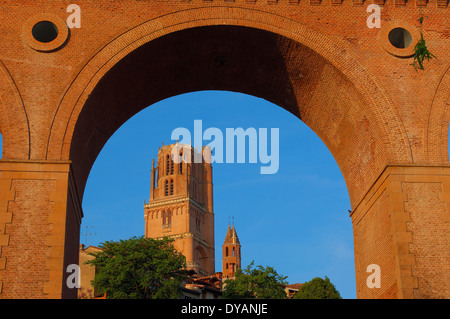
231,237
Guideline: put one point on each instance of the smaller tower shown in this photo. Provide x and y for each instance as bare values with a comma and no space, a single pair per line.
231,254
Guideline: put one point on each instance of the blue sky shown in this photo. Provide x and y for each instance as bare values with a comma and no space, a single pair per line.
295,220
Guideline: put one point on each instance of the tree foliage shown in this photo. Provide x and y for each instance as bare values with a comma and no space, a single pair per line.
318,288
255,283
139,268
421,51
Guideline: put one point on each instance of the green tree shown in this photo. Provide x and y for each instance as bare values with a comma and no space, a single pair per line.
139,268
318,288
255,283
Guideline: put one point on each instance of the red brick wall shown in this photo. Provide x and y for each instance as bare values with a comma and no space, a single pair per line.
428,224
403,226
33,203
373,245
28,231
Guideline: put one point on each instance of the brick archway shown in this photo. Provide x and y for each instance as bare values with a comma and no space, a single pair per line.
439,121
385,125
379,115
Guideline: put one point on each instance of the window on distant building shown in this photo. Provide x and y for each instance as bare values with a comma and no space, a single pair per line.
167,219
167,165
166,188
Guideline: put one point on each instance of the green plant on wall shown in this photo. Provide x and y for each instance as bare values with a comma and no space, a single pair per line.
421,51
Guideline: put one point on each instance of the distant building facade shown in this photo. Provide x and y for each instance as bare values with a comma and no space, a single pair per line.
181,205
231,254
87,273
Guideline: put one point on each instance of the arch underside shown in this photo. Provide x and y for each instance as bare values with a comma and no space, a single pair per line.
238,59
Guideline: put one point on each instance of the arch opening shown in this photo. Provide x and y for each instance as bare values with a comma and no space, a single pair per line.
307,172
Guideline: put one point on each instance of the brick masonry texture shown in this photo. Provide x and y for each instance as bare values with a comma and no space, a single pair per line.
402,225
384,122
427,224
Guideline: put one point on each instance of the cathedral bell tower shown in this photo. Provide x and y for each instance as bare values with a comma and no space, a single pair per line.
181,204
231,254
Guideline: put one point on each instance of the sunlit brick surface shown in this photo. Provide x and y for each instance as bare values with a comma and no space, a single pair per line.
316,59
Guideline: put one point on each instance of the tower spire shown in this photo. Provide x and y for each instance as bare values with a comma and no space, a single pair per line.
231,253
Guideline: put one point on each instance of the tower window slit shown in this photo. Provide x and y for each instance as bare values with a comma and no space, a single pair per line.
167,165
